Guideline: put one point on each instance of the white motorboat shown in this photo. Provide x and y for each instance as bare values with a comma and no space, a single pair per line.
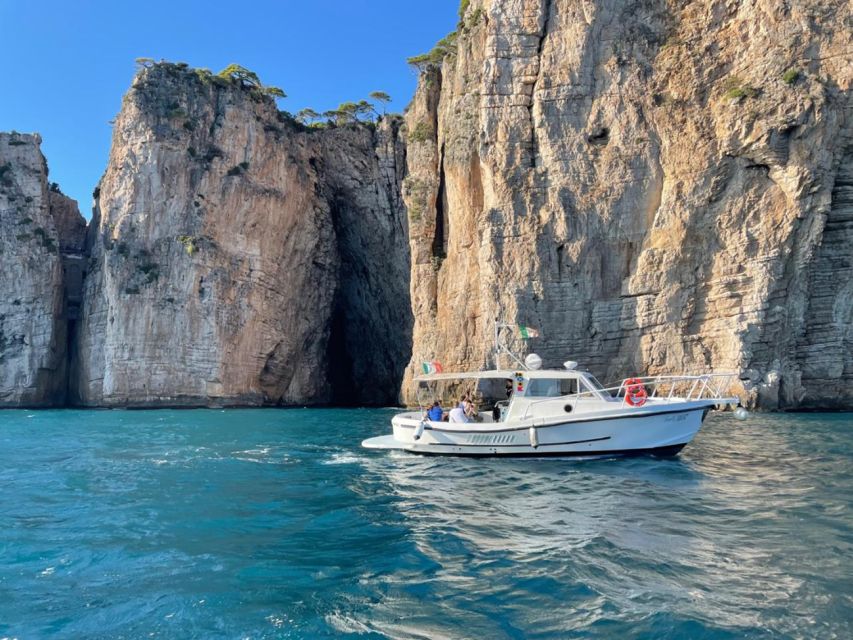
563,412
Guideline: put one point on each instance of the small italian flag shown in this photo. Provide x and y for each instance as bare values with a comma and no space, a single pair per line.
527,332
433,366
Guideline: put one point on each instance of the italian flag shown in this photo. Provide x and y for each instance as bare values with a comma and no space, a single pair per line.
527,332
433,366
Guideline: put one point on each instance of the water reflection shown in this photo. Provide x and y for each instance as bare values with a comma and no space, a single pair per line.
707,535
526,507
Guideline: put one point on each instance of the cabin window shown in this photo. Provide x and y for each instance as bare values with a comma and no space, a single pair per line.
551,387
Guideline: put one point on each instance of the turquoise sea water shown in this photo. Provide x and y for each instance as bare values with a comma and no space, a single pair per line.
275,523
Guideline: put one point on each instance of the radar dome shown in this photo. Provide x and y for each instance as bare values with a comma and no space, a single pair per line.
533,362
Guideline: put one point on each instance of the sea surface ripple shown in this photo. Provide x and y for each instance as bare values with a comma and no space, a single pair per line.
276,524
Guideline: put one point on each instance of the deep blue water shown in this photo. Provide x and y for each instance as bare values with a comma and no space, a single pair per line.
274,523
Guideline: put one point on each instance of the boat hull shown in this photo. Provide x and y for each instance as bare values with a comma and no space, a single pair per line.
661,452
658,432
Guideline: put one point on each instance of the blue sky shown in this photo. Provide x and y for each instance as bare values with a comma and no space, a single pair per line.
67,64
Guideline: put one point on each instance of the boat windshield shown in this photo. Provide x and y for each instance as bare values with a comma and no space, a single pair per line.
594,383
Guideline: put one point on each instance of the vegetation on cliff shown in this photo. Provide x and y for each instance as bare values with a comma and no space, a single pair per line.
364,112
232,75
361,112
448,44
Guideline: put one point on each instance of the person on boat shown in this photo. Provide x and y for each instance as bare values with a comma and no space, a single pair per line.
457,413
469,409
435,414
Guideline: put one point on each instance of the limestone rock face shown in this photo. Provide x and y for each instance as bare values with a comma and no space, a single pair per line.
656,186
220,271
38,226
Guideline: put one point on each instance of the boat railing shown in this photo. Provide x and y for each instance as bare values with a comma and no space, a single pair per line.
683,388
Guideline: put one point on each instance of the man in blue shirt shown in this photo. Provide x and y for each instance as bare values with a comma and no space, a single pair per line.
435,414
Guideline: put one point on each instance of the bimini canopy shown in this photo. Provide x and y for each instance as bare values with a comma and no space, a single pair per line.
506,374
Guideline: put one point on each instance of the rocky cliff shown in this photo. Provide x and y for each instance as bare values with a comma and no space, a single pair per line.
41,233
655,185
240,258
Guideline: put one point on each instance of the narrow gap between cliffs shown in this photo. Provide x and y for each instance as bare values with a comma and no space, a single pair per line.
339,360
74,257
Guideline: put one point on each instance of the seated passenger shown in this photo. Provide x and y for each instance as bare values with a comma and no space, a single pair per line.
457,414
469,409
435,413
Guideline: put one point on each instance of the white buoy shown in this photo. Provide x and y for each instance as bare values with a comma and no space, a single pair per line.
419,431
741,413
534,437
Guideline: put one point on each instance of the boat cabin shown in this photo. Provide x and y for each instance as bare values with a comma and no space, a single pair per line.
519,394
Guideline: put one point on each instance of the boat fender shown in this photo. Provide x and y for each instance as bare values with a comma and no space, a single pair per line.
534,438
419,431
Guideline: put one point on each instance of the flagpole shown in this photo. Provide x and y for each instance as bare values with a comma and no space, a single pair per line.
502,348
497,346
